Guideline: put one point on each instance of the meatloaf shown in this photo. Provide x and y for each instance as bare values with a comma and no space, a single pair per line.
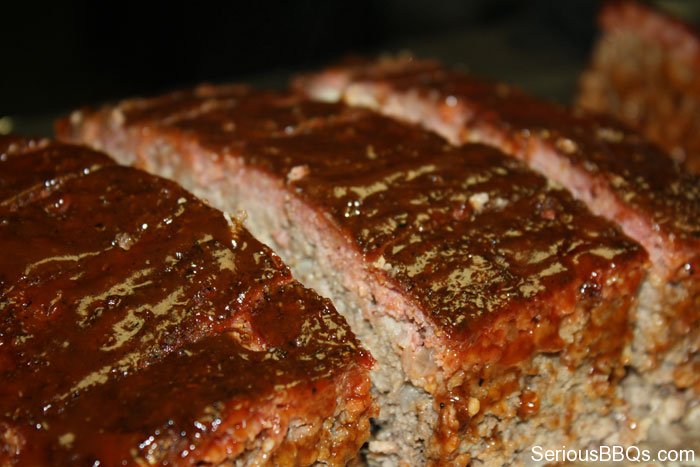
139,326
496,305
645,70
617,173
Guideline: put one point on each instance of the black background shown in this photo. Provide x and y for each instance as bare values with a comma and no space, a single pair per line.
58,56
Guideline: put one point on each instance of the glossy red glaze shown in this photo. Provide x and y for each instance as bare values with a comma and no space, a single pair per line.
134,318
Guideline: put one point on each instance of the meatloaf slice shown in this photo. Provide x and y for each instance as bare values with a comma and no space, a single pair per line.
497,305
140,326
645,71
612,169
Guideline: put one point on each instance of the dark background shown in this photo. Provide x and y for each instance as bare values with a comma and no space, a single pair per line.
59,56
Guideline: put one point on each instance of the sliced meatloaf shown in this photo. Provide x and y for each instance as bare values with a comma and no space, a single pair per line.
139,326
496,305
645,70
612,169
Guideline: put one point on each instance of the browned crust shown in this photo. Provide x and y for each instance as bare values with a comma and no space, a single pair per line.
592,156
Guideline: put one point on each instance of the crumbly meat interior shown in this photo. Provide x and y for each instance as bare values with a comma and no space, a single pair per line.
644,71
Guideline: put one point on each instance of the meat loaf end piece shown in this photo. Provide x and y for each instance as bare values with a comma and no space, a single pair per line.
617,173
644,71
140,326
491,298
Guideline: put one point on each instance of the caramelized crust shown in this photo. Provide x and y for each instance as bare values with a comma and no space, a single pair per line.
661,204
383,182
467,233
160,331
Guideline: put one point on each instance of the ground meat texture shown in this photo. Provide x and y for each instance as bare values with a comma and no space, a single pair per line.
644,71
140,326
497,305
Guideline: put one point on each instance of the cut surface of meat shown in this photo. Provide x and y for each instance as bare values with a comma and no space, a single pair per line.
644,71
